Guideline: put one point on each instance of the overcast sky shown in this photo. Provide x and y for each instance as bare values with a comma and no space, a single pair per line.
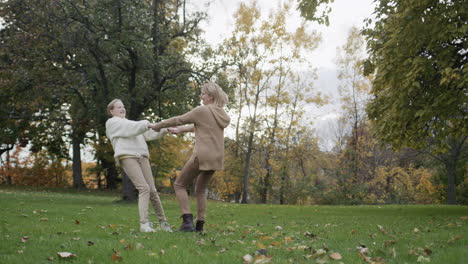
345,14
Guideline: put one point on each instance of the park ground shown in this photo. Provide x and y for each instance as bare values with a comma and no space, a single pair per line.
59,226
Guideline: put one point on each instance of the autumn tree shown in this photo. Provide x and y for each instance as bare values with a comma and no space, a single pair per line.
101,50
418,54
354,92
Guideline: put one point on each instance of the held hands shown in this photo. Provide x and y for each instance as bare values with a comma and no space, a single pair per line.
175,130
154,127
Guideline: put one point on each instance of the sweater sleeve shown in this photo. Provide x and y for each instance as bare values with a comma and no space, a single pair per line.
153,135
187,118
120,127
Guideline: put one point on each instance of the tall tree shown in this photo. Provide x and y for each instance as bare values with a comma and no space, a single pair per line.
354,92
418,53
106,50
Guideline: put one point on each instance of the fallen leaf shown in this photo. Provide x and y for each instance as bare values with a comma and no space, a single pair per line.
427,251
75,238
162,252
139,246
278,228
363,249
265,238
287,239
260,259
455,238
336,256
44,219
77,222
382,229
222,250
112,225
389,242
248,259
122,241
24,239
128,247
416,230
50,258
201,242
116,255
423,259
65,254
364,257
90,243
261,251
353,232
276,243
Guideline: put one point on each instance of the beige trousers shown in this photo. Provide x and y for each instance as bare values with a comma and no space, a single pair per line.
186,177
138,170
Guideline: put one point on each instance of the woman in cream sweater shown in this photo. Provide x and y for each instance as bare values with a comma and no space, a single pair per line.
128,139
208,122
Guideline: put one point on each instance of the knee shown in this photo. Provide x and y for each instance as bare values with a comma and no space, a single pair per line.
143,189
179,186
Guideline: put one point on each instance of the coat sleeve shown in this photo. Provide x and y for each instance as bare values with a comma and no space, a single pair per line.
119,127
153,135
187,118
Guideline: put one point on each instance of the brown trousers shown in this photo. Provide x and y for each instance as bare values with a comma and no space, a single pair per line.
138,170
186,177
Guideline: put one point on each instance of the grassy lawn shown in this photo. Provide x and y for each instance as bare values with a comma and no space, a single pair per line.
35,225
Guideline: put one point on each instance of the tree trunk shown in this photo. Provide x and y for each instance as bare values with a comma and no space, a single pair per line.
450,163
77,172
110,173
129,192
248,156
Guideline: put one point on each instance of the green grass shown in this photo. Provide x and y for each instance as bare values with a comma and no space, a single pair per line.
67,221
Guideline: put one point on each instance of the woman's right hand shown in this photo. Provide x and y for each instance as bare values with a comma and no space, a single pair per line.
174,130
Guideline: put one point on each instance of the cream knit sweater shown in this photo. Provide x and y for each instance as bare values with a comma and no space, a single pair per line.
129,137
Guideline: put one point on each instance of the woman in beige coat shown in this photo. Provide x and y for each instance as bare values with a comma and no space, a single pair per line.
208,122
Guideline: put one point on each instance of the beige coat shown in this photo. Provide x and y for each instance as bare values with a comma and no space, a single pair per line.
209,122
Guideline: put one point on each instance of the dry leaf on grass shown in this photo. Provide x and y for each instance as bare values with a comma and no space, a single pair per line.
65,255
116,256
336,256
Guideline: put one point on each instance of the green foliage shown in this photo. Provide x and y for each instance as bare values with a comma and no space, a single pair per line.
418,51
310,8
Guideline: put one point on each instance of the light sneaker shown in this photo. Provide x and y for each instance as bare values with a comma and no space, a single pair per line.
147,227
165,226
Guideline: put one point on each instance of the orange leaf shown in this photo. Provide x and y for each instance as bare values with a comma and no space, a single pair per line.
276,243
116,257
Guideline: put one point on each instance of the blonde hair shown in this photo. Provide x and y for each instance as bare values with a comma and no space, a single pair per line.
110,106
213,90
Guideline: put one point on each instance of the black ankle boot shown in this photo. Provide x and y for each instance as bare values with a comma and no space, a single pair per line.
187,223
199,226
